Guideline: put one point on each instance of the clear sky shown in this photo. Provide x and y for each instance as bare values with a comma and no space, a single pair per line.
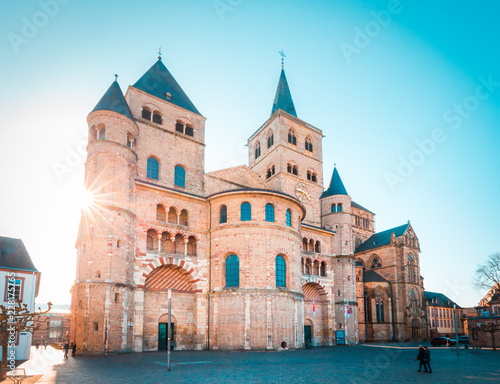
407,94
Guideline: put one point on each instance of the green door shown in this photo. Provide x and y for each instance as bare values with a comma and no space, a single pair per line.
307,333
162,336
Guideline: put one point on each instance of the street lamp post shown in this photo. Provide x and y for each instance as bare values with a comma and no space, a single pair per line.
456,330
168,328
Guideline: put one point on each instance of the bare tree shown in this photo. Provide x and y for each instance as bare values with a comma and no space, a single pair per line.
14,319
488,274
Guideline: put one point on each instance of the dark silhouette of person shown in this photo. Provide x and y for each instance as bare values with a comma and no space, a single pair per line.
73,349
420,357
427,360
66,348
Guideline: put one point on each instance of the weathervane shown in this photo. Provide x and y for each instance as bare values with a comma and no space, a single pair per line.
116,77
282,57
159,53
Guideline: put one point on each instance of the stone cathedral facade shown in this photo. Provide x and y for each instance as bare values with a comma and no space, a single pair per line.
255,256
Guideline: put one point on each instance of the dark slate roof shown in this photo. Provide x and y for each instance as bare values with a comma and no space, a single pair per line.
442,300
158,81
382,238
372,276
13,254
283,99
356,205
336,186
113,100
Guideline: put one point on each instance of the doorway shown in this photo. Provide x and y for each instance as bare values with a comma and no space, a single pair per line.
307,334
162,336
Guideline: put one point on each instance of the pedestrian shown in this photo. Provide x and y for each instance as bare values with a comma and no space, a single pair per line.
36,346
73,349
427,360
420,357
66,348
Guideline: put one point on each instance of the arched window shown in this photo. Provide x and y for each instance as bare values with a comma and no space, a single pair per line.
146,113
223,214
130,139
271,171
179,244
166,242
413,303
288,218
246,212
379,307
270,139
317,247
308,267
280,271
95,326
152,240
98,274
179,127
117,297
289,168
368,306
102,134
180,176
323,268
376,263
257,150
161,214
172,215
157,117
183,218
308,175
270,213
339,207
308,144
316,268
292,138
153,168
334,208
232,271
295,170
189,131
314,178
191,246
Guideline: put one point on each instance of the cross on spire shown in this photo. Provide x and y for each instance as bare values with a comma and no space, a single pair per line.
282,53
116,77
159,53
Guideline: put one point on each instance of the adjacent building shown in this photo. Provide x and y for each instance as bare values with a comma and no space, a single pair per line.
484,327
54,326
441,313
256,257
19,281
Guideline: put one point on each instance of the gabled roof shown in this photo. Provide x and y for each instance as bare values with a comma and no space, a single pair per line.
113,100
283,99
383,238
372,276
13,254
158,81
442,300
356,205
336,186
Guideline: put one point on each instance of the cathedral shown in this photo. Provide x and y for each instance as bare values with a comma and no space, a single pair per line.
254,257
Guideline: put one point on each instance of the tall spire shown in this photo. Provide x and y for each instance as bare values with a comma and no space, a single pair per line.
283,99
336,185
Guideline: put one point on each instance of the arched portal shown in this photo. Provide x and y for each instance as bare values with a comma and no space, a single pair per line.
316,314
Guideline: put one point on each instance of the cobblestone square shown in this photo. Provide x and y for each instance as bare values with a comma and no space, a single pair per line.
359,364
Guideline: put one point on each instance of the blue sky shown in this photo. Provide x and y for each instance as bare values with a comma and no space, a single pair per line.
382,79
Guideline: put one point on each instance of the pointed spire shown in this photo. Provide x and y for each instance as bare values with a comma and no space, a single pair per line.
336,186
159,82
283,99
113,100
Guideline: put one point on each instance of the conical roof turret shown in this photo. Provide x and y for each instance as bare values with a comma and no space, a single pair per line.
113,100
336,186
283,99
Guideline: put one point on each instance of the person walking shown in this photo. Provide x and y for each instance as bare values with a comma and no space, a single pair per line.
427,360
420,358
66,348
73,349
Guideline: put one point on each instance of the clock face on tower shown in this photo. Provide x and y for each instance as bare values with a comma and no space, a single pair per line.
302,193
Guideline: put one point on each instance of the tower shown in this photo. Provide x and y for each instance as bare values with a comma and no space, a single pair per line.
103,291
336,215
287,153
